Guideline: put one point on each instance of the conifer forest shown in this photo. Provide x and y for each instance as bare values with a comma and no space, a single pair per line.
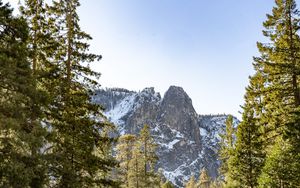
53,133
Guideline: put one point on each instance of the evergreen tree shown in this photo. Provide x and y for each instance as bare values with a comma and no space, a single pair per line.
226,153
279,65
218,184
248,156
78,148
124,156
161,179
281,168
191,183
41,41
148,151
274,95
167,185
141,167
46,73
271,114
227,146
22,136
79,145
135,173
204,179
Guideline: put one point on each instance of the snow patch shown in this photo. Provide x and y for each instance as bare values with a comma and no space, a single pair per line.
178,134
171,144
203,132
172,175
120,110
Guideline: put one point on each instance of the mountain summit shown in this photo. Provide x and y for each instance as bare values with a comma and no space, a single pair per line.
187,141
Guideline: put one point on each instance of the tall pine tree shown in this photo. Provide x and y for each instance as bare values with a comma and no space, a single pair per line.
22,135
226,146
135,173
79,147
46,73
248,156
143,159
279,65
279,95
149,158
124,156
204,179
271,112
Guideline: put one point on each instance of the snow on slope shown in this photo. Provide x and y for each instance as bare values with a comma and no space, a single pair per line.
120,110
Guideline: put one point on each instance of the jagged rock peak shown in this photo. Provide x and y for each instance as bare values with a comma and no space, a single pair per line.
176,97
187,141
179,91
150,92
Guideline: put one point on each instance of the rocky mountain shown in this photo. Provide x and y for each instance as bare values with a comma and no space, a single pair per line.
187,141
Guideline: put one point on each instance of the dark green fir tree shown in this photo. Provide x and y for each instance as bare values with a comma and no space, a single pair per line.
279,65
80,143
270,124
22,134
78,146
281,167
248,156
227,146
279,96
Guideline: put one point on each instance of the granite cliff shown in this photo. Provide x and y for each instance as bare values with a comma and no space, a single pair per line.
187,141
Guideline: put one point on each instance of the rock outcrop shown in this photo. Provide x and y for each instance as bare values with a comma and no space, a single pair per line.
187,141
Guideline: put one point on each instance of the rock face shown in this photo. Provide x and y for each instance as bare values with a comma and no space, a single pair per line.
187,141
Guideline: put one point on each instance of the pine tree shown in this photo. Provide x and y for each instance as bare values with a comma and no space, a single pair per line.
161,179
276,96
271,114
22,136
218,183
135,172
148,151
79,145
141,166
227,146
124,156
279,64
78,148
41,41
191,183
281,168
248,156
167,185
46,73
204,179
226,153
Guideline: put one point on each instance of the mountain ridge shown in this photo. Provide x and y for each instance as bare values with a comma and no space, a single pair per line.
187,140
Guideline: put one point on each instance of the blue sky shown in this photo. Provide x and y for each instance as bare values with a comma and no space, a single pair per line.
206,47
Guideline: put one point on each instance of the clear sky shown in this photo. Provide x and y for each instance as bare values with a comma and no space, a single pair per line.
204,46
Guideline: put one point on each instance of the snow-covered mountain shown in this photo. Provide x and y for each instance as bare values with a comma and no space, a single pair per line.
187,141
